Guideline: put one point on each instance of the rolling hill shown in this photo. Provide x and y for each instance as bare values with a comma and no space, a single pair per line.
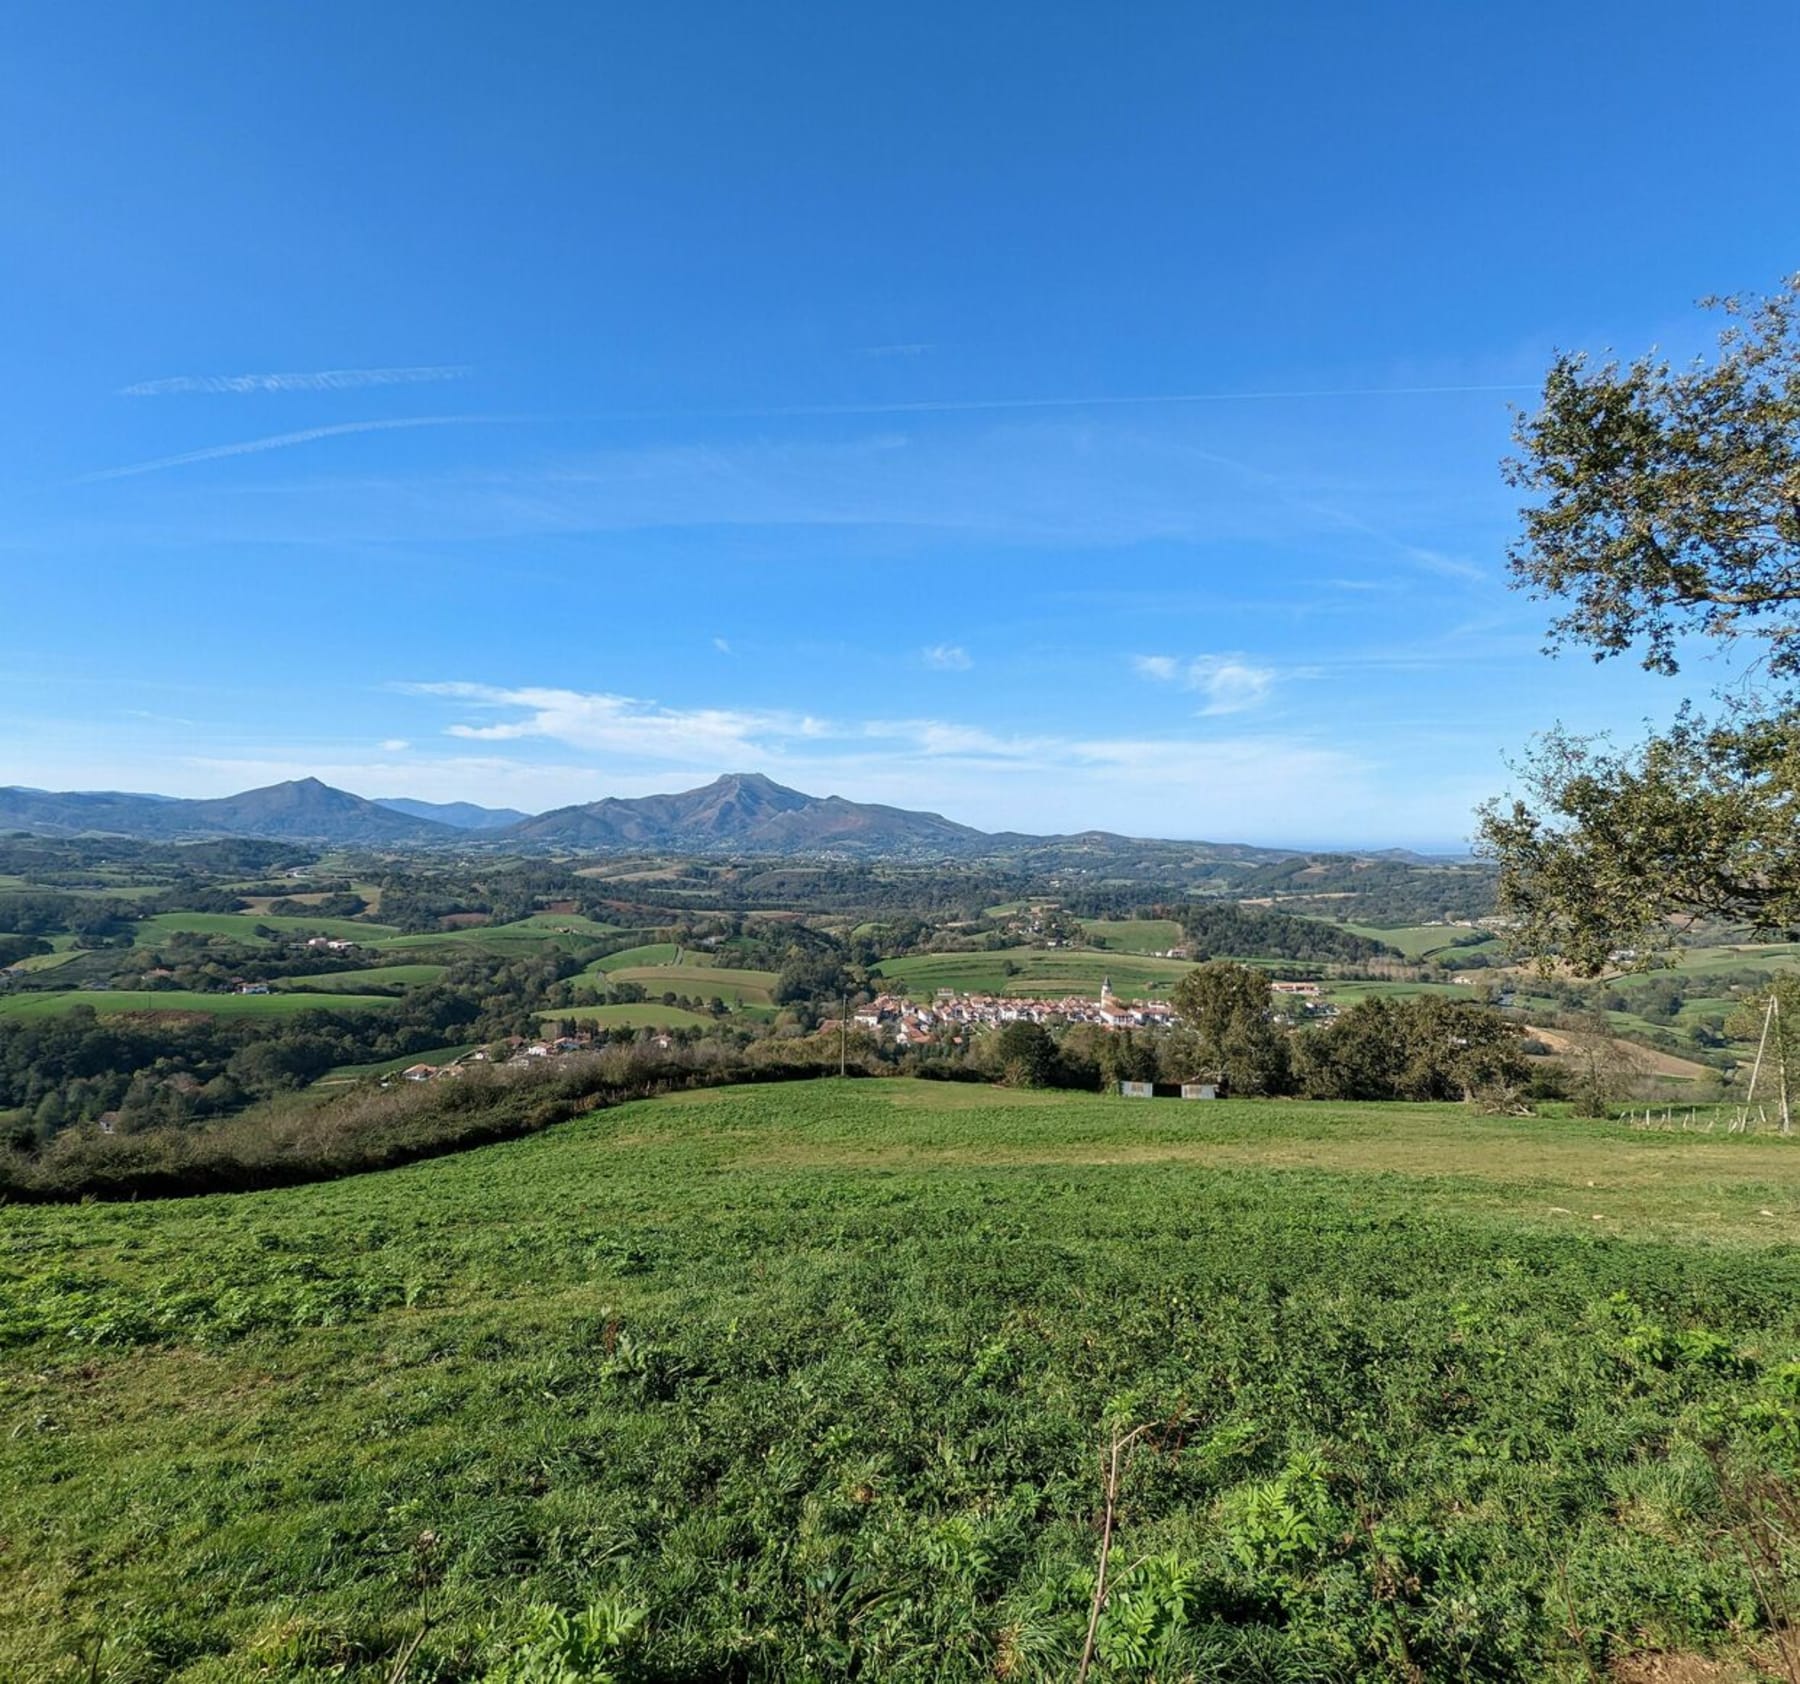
463,815
747,811
304,810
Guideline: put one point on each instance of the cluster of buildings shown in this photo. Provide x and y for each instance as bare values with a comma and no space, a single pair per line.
913,1024
516,1049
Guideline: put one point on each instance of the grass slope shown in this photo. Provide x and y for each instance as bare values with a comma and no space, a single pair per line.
651,953
818,1378
1133,935
734,987
241,926
1423,941
647,1015
358,982
110,1002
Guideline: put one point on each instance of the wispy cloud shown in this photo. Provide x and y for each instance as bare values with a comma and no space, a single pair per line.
1229,683
722,644
321,380
625,725
537,747
1099,400
1445,566
913,349
283,441
947,657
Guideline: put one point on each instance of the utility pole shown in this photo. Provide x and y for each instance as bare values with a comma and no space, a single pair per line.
844,1037
1787,1121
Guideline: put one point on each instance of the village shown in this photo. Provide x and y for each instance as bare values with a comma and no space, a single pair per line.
912,1024
896,1018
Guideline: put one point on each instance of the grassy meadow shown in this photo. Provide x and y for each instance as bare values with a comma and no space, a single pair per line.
1133,935
734,987
381,978
1427,941
814,1382
242,926
647,1014
650,953
110,1002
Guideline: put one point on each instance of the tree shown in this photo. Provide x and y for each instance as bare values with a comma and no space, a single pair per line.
1027,1056
1426,1047
1665,505
1602,1068
1227,1011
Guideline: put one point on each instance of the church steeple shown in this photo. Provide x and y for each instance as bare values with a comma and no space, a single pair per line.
1106,993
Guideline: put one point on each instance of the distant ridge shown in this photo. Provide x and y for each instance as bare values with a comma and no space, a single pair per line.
304,810
741,813
748,811
464,815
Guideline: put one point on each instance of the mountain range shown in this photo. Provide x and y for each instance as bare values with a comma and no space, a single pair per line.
741,812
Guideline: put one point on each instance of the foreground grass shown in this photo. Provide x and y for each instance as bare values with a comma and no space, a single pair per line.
817,1378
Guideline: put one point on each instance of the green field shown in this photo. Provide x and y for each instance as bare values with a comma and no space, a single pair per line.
109,1002
358,982
1425,941
47,961
814,1382
1046,971
1133,935
734,987
1769,957
1348,993
242,926
554,923
652,953
647,1015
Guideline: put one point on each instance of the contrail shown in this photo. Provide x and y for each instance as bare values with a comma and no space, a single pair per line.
325,380
937,406
280,441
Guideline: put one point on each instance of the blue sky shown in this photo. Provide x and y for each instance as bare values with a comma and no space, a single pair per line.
1052,415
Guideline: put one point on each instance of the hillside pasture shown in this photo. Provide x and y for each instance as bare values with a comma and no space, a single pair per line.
734,987
1051,972
242,927
376,978
111,1002
1429,941
46,961
1348,993
817,1382
1133,935
1646,1061
630,958
554,924
647,1014
506,941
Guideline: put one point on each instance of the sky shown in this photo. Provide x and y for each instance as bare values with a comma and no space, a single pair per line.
1055,416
